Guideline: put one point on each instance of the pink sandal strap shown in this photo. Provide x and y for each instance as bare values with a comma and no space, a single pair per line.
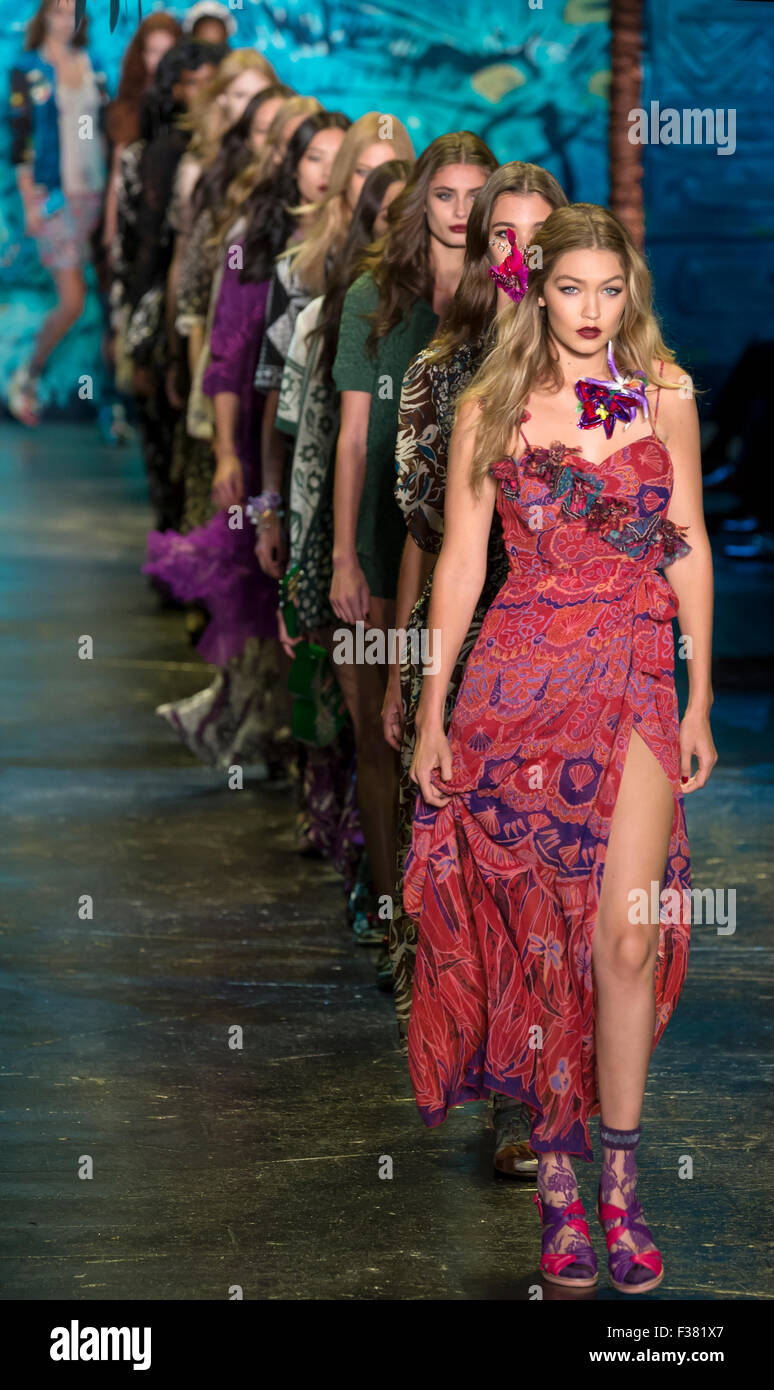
553,1219
626,1219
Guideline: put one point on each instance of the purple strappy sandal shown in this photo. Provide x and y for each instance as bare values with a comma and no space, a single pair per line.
552,1263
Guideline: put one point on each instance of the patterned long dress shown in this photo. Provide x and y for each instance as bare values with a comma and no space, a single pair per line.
197,294
504,881
308,412
425,421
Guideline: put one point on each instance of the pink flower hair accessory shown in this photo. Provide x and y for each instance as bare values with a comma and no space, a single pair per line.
512,274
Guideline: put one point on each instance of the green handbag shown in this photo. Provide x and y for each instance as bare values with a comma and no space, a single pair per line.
319,711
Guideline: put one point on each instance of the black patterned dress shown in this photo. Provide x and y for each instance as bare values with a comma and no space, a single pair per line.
425,422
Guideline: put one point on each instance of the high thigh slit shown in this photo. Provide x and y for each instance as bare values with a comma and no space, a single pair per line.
504,881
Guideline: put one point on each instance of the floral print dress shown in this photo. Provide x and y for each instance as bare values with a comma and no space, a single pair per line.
574,654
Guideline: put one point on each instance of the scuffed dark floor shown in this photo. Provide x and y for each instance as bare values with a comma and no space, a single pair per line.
259,1167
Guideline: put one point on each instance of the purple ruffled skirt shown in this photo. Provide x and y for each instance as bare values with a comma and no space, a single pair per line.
217,567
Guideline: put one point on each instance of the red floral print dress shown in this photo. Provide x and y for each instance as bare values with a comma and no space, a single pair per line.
575,652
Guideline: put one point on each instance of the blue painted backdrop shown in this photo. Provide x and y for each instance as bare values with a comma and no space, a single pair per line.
531,79
533,82
710,217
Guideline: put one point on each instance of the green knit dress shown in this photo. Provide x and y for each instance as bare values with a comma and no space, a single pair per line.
381,529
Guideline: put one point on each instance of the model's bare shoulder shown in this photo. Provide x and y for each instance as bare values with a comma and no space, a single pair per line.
468,414
670,373
674,407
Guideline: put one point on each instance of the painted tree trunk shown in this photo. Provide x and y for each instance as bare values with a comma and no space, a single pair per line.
626,199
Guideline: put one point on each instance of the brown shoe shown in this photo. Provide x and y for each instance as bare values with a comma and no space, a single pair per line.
513,1157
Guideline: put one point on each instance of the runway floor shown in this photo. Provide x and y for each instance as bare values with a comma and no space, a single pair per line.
260,1167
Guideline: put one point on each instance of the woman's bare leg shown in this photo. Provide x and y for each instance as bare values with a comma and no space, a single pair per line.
345,674
624,953
71,297
624,958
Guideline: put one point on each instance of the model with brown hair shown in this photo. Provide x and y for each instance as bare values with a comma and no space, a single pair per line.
391,311
154,37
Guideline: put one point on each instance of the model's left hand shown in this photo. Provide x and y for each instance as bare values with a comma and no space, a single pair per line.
696,742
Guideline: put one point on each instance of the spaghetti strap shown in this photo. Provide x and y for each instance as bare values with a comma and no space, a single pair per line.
658,396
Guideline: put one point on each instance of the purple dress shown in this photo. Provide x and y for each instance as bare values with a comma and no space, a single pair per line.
215,565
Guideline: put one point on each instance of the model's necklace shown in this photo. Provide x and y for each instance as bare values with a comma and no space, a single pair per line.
604,402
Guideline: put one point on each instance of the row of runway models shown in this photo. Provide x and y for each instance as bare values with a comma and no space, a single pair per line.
358,375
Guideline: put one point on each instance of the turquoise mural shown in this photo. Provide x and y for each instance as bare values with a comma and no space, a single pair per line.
710,211
531,79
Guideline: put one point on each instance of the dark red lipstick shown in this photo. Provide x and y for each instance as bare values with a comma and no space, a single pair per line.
589,332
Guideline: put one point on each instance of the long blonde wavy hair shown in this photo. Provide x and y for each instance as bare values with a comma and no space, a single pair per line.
330,218
206,118
523,356
260,166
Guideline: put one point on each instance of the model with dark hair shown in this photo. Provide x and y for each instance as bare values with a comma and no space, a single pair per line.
209,22
58,149
392,310
142,252
555,805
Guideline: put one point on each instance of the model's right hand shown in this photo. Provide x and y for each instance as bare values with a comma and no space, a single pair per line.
287,642
350,596
228,483
270,549
432,751
392,711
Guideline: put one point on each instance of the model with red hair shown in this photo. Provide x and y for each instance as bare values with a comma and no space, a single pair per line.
154,37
